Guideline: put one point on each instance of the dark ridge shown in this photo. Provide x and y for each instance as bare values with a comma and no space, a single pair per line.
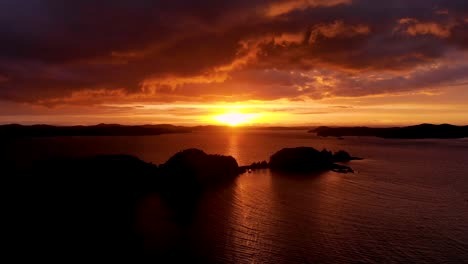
410,132
15,130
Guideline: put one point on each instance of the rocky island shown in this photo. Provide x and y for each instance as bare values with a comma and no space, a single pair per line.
308,159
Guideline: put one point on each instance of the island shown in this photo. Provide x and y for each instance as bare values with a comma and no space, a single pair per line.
186,173
308,159
194,168
443,131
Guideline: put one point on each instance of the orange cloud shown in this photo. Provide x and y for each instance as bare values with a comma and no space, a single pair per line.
245,55
284,7
414,27
337,29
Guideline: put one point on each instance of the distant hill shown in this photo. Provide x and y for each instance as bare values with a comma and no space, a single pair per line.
409,132
15,130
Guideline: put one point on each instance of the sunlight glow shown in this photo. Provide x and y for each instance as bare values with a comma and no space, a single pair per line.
235,118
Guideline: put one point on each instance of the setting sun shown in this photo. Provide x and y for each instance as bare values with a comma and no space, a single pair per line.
235,118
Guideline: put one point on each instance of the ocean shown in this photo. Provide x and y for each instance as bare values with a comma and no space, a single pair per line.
407,201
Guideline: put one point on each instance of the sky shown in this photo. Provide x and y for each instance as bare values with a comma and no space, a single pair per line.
264,62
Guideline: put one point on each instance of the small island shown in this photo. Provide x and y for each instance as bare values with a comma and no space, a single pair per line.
199,168
308,159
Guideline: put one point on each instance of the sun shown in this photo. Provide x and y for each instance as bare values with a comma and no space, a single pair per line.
235,118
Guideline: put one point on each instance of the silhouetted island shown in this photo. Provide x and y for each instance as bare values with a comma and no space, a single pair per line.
196,169
308,159
409,132
16,130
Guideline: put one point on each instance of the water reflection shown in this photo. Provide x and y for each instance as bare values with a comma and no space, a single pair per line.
232,147
250,230
296,216
397,209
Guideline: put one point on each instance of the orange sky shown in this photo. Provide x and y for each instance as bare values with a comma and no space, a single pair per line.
291,62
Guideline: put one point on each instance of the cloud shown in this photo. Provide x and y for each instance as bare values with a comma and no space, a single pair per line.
414,27
283,7
423,79
336,29
91,52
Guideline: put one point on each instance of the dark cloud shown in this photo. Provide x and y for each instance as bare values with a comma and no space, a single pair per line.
229,50
428,78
